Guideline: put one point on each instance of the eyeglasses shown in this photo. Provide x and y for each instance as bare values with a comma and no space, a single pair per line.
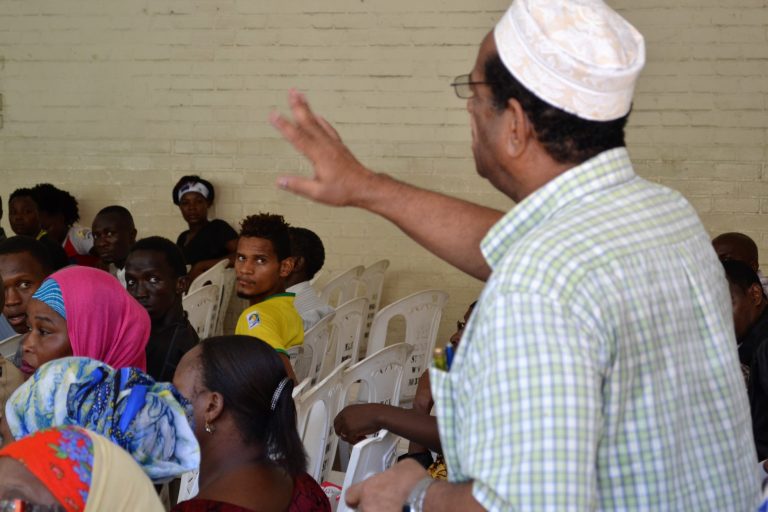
462,84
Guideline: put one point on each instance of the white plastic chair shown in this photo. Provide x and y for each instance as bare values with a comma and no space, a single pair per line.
301,361
376,379
371,284
315,410
318,337
422,312
202,306
227,288
217,275
9,346
382,376
346,331
343,287
188,488
369,457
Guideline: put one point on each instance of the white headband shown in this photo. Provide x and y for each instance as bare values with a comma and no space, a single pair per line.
578,55
193,187
278,391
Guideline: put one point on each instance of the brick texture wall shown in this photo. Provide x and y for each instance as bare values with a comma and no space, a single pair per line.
115,101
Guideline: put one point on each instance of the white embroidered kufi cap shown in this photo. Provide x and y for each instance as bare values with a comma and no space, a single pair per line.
578,55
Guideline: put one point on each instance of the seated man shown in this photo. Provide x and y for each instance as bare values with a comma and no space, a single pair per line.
262,264
355,422
750,320
24,264
156,277
740,247
308,258
24,217
113,235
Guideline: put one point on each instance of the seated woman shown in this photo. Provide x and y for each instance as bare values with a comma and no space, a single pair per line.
206,242
245,420
150,420
71,469
83,311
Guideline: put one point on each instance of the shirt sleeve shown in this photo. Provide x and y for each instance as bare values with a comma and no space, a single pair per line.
224,232
530,430
263,325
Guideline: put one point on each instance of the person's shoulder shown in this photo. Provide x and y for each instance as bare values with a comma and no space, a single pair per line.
223,228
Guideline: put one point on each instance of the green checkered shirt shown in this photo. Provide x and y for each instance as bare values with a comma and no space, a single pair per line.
599,369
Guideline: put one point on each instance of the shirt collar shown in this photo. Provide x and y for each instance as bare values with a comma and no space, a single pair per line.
605,170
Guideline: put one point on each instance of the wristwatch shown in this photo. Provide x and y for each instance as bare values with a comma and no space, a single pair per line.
415,501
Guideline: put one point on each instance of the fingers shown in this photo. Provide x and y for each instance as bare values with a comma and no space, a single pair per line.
302,186
328,129
353,495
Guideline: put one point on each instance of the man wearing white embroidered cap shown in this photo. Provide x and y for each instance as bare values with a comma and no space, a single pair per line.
598,371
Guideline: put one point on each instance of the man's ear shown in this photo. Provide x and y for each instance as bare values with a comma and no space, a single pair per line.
181,285
517,128
133,236
286,266
755,294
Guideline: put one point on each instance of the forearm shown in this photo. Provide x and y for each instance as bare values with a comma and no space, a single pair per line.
449,227
448,496
411,425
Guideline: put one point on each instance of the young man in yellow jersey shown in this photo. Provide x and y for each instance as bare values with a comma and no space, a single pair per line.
262,263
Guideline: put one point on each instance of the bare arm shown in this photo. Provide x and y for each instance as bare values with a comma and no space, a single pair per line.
356,421
450,228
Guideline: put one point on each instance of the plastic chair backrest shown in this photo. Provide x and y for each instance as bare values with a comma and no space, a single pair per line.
301,361
202,307
422,312
318,337
382,375
371,284
346,330
343,287
9,346
315,410
214,275
227,288
188,488
369,457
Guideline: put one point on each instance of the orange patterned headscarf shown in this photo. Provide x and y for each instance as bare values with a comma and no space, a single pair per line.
62,459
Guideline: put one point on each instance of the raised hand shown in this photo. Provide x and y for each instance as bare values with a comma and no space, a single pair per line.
339,178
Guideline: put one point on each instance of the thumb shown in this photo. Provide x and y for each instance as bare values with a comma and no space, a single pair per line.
353,495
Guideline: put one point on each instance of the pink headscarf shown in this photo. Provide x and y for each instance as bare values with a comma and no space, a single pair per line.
103,321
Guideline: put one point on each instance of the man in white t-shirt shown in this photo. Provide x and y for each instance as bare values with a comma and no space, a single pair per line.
309,254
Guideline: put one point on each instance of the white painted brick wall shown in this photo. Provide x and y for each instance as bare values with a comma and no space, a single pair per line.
114,102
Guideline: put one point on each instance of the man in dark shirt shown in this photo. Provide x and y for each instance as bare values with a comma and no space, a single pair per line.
750,320
113,235
156,276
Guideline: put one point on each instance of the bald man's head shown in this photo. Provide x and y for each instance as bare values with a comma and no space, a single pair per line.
736,246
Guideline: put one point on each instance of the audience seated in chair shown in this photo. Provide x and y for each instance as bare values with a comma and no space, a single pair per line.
355,422
308,255
83,311
750,320
59,214
206,242
155,275
113,235
262,264
24,264
245,420
24,217
740,247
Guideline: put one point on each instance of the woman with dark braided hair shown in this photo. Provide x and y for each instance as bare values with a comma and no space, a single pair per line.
245,420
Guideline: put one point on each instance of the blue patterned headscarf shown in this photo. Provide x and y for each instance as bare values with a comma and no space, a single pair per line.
149,419
49,293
